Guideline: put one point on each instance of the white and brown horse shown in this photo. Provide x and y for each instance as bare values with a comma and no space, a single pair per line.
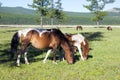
76,40
41,39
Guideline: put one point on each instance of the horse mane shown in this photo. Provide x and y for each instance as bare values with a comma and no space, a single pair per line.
68,34
59,33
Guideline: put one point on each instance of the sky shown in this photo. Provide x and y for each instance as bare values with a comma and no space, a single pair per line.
67,5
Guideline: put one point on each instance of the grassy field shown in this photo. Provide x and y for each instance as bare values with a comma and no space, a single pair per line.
103,65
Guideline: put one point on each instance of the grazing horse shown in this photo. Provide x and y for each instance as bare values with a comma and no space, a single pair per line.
79,28
109,28
76,40
41,39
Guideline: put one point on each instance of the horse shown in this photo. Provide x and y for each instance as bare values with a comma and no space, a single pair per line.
78,41
109,28
40,39
79,28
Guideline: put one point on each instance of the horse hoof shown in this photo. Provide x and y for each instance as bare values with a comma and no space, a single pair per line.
84,59
27,63
54,62
70,63
18,65
44,62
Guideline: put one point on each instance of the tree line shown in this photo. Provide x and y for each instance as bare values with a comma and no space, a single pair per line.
54,11
71,19
48,8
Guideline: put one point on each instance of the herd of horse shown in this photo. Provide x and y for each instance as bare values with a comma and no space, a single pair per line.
109,28
51,39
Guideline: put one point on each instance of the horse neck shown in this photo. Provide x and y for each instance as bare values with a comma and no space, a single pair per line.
66,47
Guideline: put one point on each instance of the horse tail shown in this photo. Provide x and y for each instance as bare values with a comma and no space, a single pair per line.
14,44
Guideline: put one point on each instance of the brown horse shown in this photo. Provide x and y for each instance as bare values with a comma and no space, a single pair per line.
109,28
78,41
41,39
79,28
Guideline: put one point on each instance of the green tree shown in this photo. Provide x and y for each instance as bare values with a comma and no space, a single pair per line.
51,11
55,11
96,7
41,7
60,16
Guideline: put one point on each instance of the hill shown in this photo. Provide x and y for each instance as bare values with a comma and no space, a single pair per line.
116,10
19,15
17,10
21,10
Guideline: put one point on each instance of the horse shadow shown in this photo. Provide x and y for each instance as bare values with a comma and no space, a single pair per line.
78,57
32,53
93,36
4,54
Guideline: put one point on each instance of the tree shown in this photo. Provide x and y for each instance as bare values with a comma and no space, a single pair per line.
96,7
41,7
60,16
51,11
55,11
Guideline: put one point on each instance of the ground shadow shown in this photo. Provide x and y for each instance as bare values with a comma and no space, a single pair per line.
4,53
32,52
93,36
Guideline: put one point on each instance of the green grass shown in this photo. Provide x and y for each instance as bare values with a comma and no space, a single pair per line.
105,64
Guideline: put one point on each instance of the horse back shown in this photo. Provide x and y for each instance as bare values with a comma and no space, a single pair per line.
38,40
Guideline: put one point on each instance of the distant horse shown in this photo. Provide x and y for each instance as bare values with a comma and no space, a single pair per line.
109,28
41,39
79,28
79,41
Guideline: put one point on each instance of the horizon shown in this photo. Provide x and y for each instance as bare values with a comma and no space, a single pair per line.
66,7
63,10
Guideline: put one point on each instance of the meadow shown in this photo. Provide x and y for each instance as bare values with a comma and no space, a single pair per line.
103,62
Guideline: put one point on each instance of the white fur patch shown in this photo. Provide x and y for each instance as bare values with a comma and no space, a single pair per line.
24,32
78,38
41,31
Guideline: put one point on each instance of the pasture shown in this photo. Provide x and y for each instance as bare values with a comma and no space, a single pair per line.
103,62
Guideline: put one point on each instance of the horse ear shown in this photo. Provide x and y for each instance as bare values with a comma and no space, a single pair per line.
69,35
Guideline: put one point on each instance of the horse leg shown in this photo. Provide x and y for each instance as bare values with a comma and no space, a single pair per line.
62,55
22,50
25,57
80,51
18,59
48,52
54,58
